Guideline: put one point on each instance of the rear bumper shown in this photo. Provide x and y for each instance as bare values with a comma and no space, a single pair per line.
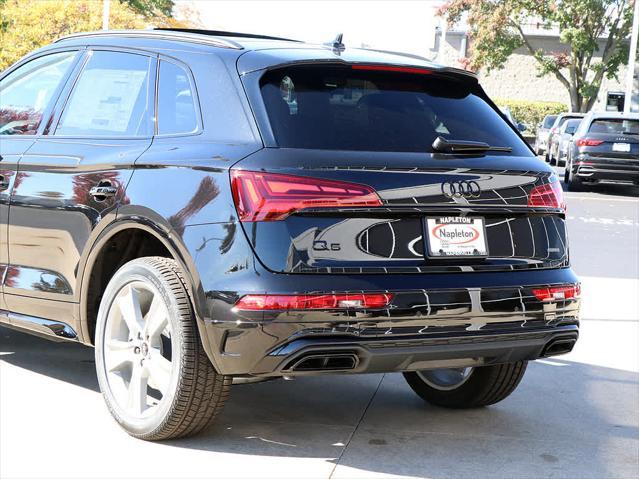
313,356
423,328
597,169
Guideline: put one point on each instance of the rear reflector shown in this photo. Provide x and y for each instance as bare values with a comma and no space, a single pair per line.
270,196
261,302
389,68
588,142
549,195
556,293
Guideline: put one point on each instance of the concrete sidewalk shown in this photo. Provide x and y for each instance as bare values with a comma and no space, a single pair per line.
567,419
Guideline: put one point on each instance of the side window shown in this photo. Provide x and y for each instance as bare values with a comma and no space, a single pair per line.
26,92
176,103
110,98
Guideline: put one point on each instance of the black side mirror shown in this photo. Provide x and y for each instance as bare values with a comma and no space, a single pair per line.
521,127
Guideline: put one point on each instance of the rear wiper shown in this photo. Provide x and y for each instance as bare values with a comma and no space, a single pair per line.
464,146
630,133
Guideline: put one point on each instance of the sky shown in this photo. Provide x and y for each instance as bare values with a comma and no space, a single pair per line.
400,25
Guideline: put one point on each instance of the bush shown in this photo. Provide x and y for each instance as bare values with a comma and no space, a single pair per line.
531,113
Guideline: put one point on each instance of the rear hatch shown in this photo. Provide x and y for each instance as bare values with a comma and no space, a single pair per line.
351,183
615,139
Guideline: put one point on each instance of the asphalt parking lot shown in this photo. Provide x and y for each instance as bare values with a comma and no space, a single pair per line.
576,416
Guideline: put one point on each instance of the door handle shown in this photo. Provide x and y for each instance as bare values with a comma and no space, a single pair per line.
100,193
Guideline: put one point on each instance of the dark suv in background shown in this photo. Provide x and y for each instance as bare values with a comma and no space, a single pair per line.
206,206
605,147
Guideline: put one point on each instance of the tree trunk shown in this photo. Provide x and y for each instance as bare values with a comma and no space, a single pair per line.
575,99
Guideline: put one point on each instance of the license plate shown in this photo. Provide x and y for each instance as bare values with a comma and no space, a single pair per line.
625,147
456,236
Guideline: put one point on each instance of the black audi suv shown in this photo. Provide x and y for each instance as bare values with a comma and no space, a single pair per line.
208,207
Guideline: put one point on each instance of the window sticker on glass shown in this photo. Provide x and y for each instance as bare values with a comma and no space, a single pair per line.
110,110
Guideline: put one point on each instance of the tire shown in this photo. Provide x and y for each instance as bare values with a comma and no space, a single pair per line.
160,384
483,386
573,182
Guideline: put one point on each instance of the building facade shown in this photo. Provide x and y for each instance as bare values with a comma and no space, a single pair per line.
519,78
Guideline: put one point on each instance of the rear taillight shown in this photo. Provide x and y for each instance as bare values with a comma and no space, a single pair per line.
263,302
270,196
556,293
549,195
588,142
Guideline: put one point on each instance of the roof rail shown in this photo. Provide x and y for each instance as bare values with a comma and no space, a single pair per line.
184,36
221,33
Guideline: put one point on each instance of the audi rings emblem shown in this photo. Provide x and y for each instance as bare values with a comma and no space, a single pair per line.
461,189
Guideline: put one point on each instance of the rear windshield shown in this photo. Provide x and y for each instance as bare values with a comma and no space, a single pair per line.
340,108
549,120
615,126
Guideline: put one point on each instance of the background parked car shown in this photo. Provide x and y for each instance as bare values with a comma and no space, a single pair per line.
553,136
565,135
543,130
605,147
508,114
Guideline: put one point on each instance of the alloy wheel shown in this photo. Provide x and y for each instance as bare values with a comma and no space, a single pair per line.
138,349
446,379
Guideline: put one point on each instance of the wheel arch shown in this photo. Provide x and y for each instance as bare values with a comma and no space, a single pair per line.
143,238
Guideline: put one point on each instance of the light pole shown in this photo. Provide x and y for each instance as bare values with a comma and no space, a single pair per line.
630,75
106,4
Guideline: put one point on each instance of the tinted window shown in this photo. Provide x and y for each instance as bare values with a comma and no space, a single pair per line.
571,126
564,119
26,92
615,126
176,104
549,120
345,109
110,98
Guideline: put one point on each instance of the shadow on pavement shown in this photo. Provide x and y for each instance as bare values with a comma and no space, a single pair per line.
565,420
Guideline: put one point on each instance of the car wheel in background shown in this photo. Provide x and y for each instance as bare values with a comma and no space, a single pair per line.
154,375
572,181
462,388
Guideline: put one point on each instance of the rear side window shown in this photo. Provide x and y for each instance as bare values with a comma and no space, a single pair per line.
110,98
571,126
564,119
176,102
615,126
549,120
341,108
26,92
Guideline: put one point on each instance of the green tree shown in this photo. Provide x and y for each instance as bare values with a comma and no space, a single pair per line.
595,33
27,25
150,8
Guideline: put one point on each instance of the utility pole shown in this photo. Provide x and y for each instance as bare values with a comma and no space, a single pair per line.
630,76
106,4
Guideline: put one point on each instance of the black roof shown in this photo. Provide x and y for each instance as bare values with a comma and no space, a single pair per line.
255,51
